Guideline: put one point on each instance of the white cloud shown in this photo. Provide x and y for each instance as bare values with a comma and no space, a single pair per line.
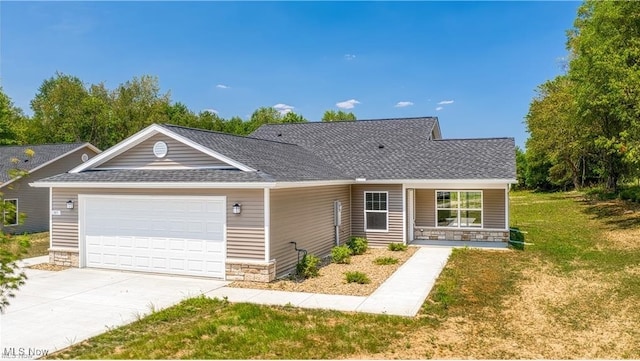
222,86
210,110
445,102
439,108
347,104
349,56
283,108
403,104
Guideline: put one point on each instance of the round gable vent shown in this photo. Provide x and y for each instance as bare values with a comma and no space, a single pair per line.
84,157
160,149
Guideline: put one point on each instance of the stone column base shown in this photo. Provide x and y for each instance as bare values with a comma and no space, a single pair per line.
461,235
248,270
64,257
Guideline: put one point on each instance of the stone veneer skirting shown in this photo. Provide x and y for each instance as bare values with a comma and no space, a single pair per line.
461,234
239,270
64,257
236,270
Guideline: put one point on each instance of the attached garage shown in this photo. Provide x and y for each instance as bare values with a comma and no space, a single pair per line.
162,234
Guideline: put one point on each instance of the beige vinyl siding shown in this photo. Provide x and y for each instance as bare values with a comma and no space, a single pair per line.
425,207
493,211
179,155
34,202
493,206
245,231
395,207
305,215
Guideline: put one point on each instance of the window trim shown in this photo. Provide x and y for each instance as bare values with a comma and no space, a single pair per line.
481,209
17,211
365,211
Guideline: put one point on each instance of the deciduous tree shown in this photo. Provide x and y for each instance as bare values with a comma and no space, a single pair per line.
333,116
605,70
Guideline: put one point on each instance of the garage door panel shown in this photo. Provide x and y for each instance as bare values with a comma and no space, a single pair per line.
180,235
142,243
142,262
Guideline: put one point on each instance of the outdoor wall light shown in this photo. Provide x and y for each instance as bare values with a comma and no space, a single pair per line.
237,208
70,205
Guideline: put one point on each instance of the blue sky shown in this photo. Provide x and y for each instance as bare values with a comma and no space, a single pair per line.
474,65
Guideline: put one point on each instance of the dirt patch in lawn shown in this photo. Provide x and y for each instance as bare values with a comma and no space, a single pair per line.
332,279
48,267
623,239
551,317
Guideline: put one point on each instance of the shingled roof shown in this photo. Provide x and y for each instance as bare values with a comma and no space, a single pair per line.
386,149
398,149
277,160
14,156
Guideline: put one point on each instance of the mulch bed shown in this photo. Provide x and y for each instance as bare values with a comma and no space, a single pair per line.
48,267
332,279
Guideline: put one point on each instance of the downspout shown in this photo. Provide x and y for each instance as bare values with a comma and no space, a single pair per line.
337,219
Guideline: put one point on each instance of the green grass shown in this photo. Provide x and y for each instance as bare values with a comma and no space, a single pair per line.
39,245
204,328
474,281
573,293
579,280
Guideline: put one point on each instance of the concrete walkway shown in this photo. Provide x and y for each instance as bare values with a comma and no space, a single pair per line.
402,294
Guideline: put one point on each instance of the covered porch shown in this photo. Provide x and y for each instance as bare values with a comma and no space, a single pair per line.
450,214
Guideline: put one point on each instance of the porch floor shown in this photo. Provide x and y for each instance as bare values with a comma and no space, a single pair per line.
459,244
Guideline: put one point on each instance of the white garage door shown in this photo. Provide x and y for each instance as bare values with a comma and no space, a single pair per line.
176,235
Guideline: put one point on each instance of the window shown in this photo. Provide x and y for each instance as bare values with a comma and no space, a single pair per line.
376,211
459,209
10,212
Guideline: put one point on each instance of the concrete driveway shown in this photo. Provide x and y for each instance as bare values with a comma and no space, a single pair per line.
54,310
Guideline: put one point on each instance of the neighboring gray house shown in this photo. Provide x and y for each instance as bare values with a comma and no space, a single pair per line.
39,161
178,200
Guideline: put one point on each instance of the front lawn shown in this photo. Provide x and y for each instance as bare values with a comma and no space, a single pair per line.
39,245
572,294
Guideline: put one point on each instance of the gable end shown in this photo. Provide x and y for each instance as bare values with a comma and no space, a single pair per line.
178,156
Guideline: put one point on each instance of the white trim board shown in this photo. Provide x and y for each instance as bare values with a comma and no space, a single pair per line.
147,133
155,185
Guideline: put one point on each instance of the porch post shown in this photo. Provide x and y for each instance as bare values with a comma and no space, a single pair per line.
506,206
410,213
267,224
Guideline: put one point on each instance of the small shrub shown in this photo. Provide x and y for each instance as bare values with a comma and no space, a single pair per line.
357,277
308,267
381,261
516,238
626,195
341,254
630,194
358,245
397,247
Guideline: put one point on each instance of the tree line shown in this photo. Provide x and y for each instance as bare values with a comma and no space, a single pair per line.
65,109
584,125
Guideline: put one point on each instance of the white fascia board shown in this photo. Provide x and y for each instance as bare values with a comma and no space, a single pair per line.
117,149
205,150
312,183
147,133
92,147
177,167
87,145
422,183
157,185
